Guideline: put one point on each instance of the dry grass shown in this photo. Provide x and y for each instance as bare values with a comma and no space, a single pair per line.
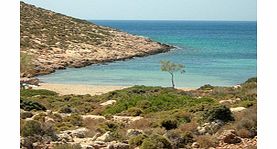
188,127
141,124
207,141
92,125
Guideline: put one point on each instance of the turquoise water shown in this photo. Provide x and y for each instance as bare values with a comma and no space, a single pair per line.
214,52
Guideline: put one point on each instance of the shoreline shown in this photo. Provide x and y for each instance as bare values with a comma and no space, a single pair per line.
81,89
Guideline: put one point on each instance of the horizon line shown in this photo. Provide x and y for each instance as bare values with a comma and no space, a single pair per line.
169,20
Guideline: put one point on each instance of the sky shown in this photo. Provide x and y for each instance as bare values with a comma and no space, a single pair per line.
223,10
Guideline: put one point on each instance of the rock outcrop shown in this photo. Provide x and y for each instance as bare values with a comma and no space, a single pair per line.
55,41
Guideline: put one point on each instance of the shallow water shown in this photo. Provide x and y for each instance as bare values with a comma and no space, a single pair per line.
217,53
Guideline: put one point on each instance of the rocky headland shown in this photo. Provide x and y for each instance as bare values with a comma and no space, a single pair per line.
56,41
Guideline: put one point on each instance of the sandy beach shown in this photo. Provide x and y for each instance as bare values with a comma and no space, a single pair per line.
80,89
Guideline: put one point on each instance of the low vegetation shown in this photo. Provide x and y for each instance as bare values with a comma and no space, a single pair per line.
171,117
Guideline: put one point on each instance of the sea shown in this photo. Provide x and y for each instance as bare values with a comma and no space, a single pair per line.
219,53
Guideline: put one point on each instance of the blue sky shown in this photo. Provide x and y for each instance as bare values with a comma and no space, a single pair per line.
240,10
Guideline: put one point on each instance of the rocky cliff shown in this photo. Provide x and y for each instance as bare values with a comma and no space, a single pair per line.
56,41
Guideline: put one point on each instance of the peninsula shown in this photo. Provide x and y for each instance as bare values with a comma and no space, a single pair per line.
55,41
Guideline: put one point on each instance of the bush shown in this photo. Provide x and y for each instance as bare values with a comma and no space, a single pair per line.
219,113
206,87
178,138
144,104
246,123
137,140
31,128
40,117
169,124
34,92
207,141
183,117
67,146
134,111
74,119
31,105
109,126
156,142
188,127
254,79
141,124
25,115
66,109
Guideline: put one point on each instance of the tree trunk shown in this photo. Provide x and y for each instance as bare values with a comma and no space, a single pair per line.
172,80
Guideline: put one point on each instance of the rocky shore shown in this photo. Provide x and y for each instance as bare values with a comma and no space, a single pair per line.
55,41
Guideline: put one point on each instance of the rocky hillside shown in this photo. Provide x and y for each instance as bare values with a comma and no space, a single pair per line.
55,41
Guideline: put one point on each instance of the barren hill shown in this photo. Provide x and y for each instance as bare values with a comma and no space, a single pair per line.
56,41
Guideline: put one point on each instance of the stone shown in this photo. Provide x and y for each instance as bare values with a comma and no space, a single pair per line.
93,117
226,101
105,137
126,119
237,86
64,137
78,133
30,81
210,128
237,109
230,137
118,145
49,120
134,132
195,145
109,102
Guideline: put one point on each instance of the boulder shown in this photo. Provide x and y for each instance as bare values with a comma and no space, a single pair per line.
133,132
30,81
78,133
195,145
237,109
230,137
126,119
210,128
64,137
237,86
93,117
105,137
109,102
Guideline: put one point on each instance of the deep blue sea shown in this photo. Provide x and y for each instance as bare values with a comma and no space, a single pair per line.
213,52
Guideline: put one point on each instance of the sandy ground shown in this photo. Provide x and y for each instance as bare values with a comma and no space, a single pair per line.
65,89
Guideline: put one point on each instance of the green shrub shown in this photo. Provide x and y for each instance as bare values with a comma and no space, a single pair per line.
31,105
178,138
109,126
134,111
156,142
250,80
183,117
31,128
74,119
206,87
137,140
219,113
144,104
169,124
66,109
61,126
34,92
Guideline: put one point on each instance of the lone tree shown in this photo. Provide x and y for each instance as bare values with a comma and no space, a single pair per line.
171,67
